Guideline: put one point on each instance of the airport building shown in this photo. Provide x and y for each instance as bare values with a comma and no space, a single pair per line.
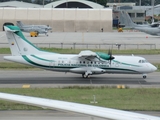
92,18
136,13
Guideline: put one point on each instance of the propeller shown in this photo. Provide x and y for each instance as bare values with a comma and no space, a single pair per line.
111,57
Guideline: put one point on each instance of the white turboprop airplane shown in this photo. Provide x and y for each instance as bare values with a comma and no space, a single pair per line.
85,63
102,112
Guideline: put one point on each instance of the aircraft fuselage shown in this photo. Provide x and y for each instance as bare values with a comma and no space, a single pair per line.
72,63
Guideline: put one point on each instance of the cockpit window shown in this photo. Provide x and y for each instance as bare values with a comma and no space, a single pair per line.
143,61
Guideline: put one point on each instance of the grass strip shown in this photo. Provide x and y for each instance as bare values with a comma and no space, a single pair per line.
145,99
76,51
11,65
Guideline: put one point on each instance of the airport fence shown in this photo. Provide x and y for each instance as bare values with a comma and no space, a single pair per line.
93,46
98,46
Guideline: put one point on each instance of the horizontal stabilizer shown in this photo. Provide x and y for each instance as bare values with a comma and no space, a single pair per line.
10,30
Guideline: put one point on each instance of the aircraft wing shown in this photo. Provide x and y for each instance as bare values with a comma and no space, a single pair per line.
76,107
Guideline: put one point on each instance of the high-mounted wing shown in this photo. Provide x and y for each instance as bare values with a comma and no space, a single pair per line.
87,54
76,107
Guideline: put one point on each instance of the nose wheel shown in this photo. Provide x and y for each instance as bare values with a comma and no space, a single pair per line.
144,76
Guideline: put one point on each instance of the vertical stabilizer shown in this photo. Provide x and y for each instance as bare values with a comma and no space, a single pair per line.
127,20
19,45
20,24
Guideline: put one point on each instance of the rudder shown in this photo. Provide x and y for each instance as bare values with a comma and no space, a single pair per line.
127,20
19,45
20,24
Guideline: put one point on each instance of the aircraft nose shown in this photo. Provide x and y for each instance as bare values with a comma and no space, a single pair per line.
153,68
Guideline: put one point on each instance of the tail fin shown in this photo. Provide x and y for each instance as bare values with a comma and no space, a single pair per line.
127,20
20,24
19,45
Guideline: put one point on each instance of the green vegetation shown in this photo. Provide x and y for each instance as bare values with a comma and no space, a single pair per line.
76,51
10,65
157,65
127,99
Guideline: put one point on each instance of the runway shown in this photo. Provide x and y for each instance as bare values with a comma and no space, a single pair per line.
44,78
52,115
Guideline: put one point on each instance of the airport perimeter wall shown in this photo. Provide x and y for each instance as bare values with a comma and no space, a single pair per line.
61,20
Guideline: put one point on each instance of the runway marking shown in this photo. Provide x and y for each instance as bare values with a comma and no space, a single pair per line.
26,86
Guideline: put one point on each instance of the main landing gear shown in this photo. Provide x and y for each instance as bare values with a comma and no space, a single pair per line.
85,76
46,34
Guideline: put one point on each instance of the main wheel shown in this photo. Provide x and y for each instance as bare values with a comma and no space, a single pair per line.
85,76
82,75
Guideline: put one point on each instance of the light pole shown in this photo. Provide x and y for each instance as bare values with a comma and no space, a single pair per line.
152,3
43,3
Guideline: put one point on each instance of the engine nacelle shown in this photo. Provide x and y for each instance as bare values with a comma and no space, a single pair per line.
90,70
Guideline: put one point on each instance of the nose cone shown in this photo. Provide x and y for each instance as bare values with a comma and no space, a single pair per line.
153,68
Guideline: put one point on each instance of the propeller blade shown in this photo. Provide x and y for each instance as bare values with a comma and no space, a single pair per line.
111,57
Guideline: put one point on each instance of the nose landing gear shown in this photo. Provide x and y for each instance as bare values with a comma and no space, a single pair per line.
144,76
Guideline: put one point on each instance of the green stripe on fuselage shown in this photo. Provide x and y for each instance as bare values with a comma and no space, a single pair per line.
42,58
33,63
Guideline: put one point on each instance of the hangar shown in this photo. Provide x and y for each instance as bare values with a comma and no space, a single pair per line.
18,4
73,4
